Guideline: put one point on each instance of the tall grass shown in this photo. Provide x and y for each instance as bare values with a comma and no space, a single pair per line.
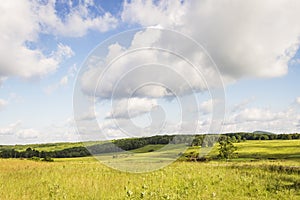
88,179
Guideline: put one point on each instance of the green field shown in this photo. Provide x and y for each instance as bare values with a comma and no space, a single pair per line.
265,170
50,146
249,150
266,149
277,149
43,147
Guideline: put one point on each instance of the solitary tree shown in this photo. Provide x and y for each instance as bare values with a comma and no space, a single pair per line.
226,149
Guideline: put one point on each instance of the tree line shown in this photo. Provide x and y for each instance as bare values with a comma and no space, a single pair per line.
206,140
30,153
210,139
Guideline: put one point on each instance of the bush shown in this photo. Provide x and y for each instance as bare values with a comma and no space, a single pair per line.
203,159
34,158
48,159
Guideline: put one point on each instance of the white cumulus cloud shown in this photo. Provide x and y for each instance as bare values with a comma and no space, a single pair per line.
11,129
133,107
255,114
245,38
22,22
77,22
28,134
152,66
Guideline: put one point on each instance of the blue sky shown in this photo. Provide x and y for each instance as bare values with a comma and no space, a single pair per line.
46,49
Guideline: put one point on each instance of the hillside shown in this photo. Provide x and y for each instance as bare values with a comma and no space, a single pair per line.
263,144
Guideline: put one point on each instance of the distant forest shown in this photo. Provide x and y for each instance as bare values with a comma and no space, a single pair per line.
205,140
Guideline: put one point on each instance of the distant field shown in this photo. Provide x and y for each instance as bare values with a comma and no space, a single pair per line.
43,147
277,149
148,148
50,146
252,149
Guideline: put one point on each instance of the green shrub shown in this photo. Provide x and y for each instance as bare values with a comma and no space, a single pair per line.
34,158
48,159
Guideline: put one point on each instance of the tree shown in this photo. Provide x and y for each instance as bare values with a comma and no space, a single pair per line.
226,149
239,138
233,139
28,153
264,137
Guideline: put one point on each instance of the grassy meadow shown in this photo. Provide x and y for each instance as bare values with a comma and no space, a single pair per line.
264,170
266,149
49,146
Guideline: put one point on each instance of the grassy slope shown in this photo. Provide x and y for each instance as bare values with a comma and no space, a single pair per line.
287,149
247,151
277,149
148,148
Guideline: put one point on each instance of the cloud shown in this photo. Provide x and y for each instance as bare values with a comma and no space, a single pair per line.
298,124
15,129
77,21
16,57
255,114
206,107
70,74
130,108
252,119
16,133
27,134
22,23
63,51
63,81
3,103
10,129
88,115
298,100
243,119
72,71
60,131
238,35
124,127
166,13
242,105
18,26
146,69
2,79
